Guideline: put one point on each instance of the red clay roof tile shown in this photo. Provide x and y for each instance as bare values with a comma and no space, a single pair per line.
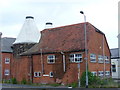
65,39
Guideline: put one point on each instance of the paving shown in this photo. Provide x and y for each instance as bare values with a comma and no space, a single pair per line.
28,86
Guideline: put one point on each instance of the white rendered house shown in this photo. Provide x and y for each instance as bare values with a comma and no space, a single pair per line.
114,62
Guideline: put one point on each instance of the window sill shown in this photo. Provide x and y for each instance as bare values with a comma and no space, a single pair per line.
100,62
50,63
37,77
76,62
93,61
6,75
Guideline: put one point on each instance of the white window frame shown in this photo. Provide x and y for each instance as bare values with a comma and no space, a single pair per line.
48,59
7,60
92,57
100,59
100,73
7,72
107,73
94,73
106,59
51,74
74,58
38,74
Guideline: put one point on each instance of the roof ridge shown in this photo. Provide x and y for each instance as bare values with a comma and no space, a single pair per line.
65,26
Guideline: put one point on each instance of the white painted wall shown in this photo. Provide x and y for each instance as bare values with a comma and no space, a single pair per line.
119,56
114,62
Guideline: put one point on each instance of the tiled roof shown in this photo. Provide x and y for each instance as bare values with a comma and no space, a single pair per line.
114,53
7,44
62,39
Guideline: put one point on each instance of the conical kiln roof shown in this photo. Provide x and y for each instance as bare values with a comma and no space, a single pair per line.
29,32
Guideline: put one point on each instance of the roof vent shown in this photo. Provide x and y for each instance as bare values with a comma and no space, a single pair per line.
48,25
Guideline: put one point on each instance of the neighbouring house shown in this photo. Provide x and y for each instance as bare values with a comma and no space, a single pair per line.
7,56
56,58
114,62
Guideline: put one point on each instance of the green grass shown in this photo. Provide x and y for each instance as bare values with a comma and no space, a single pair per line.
54,85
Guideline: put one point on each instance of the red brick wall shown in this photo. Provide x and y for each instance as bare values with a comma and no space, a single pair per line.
71,74
6,66
56,68
20,68
95,45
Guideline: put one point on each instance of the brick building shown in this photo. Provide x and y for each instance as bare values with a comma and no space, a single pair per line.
56,57
7,56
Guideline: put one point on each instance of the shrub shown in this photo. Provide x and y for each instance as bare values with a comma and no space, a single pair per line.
92,80
8,81
14,81
24,81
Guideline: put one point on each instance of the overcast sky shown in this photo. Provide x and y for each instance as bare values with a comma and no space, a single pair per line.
103,14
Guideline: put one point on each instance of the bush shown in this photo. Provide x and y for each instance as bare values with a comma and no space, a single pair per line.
14,81
92,80
6,81
24,81
97,82
73,85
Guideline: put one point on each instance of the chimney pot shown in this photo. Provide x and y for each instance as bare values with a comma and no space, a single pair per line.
48,25
29,17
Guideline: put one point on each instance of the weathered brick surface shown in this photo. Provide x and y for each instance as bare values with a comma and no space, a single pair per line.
71,74
6,66
95,45
21,66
